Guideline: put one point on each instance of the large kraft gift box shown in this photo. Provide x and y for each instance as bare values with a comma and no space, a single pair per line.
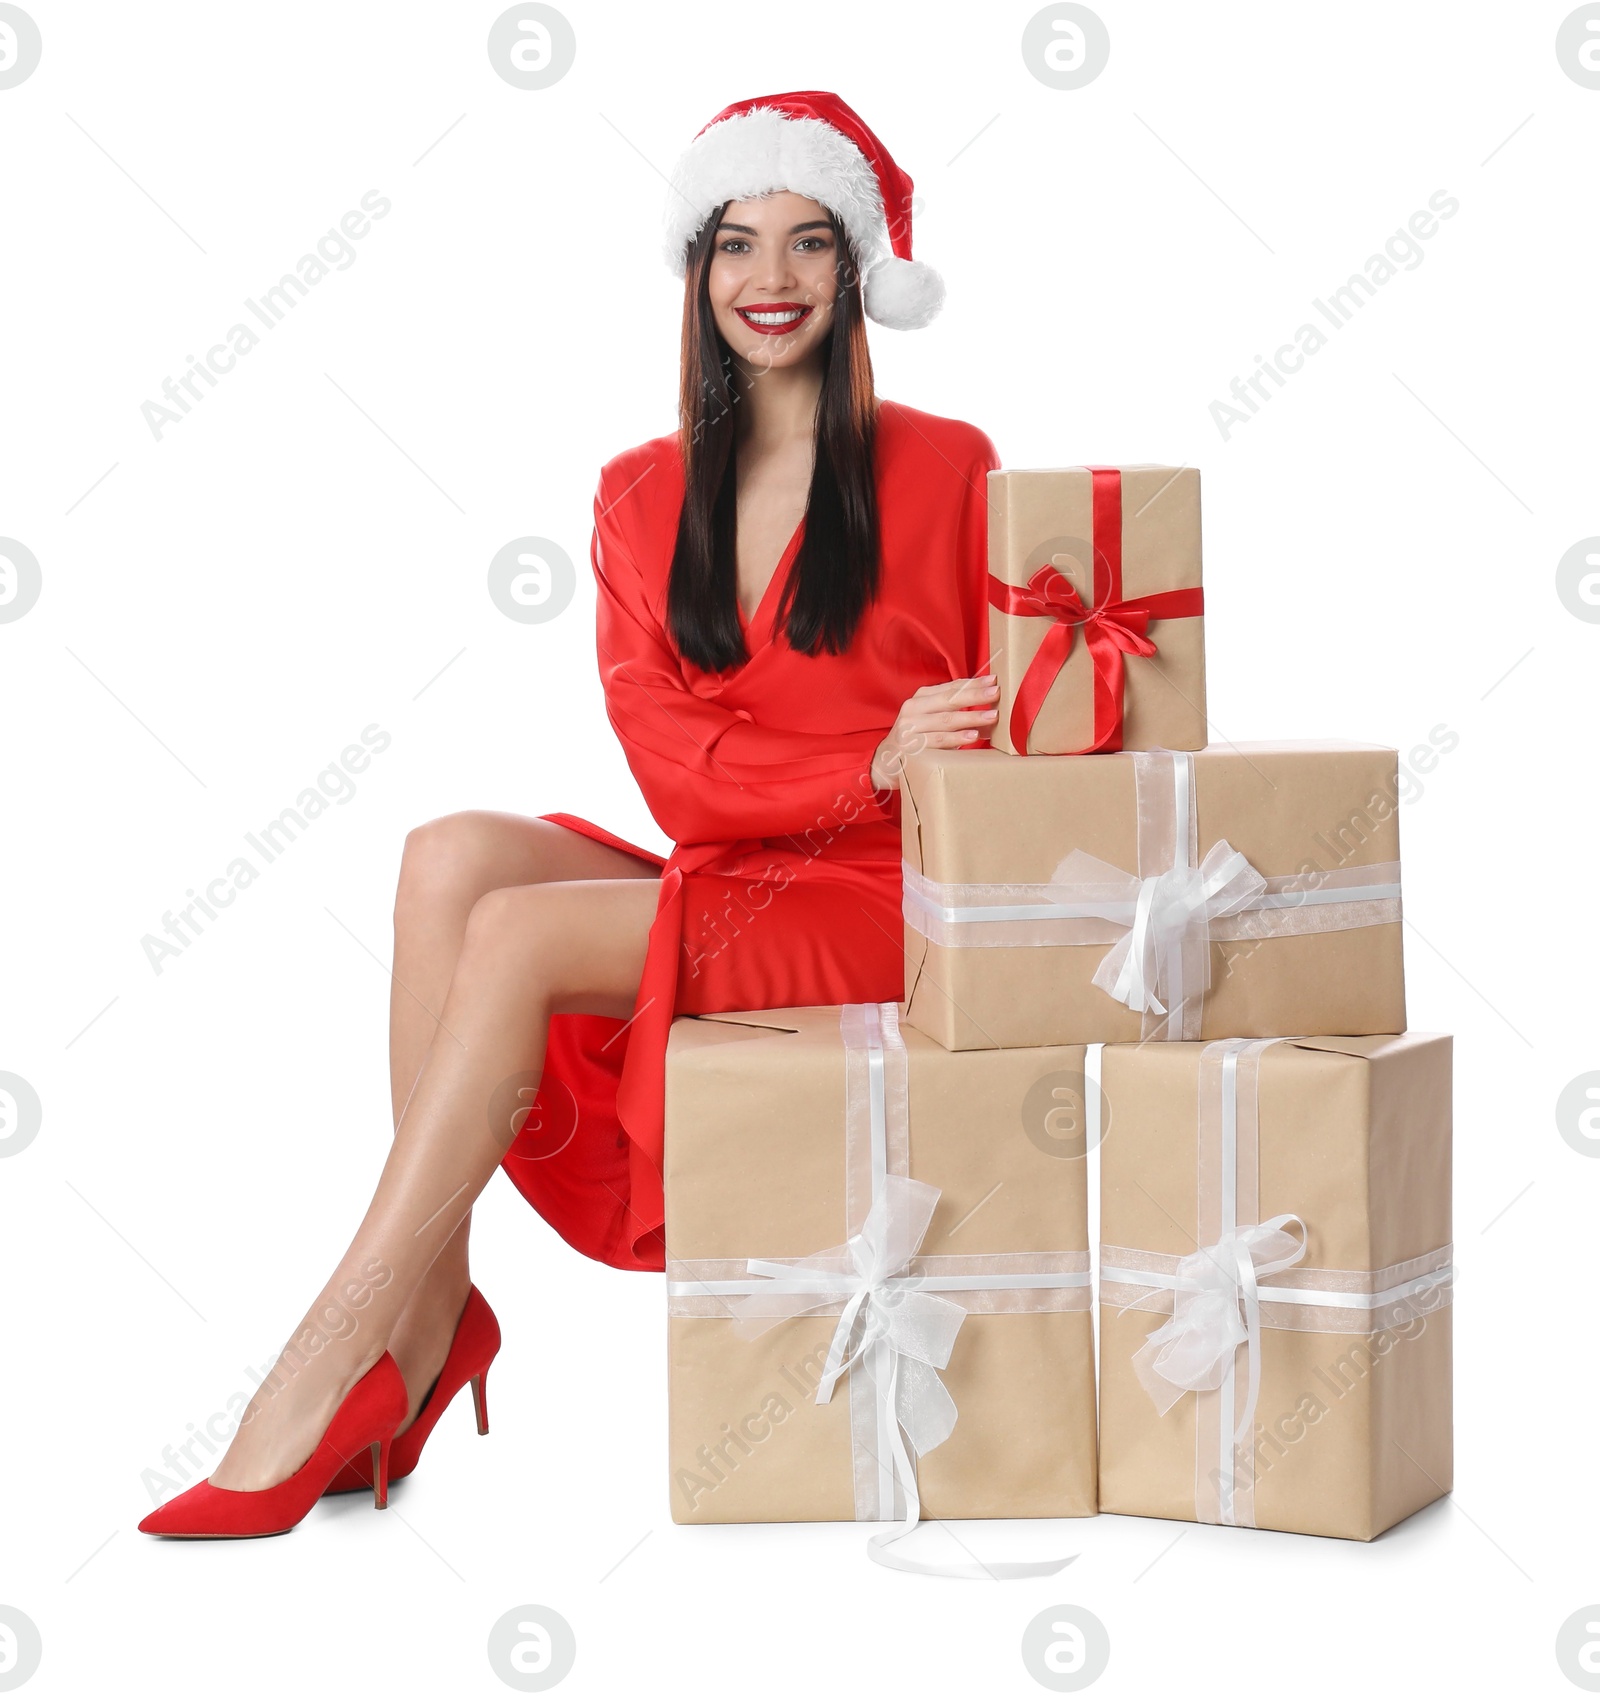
1319,1166
1244,890
1096,631
770,1155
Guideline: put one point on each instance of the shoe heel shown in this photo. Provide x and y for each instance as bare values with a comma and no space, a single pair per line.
480,1402
380,1474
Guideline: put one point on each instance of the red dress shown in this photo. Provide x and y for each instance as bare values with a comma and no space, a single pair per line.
784,889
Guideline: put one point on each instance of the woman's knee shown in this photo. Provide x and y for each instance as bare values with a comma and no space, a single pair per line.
519,931
442,863
517,917
565,939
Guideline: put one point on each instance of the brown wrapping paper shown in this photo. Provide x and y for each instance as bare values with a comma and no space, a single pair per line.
755,1167
1354,1426
1039,518
976,816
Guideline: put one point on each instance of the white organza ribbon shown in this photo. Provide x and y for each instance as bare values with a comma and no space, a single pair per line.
893,1333
1217,1294
1160,922
1167,951
1216,1308
883,1308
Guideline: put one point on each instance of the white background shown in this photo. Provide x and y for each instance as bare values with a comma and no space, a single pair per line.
306,554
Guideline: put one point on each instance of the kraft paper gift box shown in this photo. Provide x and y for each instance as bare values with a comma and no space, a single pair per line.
1244,890
1302,1351
787,1132
1096,629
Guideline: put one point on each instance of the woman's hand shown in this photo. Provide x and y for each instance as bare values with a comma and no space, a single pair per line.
948,715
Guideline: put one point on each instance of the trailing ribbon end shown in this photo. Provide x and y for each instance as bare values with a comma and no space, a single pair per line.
878,1549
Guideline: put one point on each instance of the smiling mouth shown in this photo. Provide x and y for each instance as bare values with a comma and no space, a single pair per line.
778,320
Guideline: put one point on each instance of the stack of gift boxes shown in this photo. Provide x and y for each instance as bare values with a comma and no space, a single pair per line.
1118,939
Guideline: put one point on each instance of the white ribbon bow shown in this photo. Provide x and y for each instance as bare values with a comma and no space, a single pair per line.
903,1333
1165,958
1217,1307
882,1305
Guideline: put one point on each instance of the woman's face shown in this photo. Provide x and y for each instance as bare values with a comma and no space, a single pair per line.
773,280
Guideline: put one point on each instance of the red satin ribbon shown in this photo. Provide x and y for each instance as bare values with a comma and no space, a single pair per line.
1111,628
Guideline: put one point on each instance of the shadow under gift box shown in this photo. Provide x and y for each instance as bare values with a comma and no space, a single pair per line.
755,1167
1118,536
987,840
1352,1430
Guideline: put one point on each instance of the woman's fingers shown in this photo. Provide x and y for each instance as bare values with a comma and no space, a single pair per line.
962,691
926,725
977,689
944,737
947,715
953,719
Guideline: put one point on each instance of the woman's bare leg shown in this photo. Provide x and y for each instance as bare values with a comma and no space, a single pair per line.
527,953
447,866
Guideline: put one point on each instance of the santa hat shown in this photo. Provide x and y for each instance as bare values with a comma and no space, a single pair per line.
811,144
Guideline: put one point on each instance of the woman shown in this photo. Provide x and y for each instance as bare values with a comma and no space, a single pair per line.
791,598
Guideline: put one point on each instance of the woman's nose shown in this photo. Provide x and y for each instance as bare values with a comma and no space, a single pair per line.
776,272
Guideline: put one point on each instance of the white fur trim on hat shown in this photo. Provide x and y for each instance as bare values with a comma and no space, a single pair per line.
765,151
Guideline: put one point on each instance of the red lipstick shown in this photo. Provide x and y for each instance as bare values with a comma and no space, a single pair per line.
793,315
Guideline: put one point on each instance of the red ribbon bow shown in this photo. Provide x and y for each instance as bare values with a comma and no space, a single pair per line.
1111,628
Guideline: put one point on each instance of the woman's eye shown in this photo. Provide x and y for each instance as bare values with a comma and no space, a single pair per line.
812,242
733,244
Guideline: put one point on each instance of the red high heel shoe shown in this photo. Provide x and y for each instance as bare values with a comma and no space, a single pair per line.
364,1423
475,1345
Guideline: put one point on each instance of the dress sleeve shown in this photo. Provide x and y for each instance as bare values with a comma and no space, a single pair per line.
709,774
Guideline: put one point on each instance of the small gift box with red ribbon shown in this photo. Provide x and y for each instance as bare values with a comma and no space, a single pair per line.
1095,627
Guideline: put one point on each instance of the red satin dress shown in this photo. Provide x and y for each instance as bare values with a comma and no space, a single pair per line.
784,887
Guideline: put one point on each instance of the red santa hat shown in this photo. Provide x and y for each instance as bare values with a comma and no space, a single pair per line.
812,144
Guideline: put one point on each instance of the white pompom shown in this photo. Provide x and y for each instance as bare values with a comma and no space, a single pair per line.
903,294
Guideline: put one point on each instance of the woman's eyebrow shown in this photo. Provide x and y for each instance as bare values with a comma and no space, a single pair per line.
746,230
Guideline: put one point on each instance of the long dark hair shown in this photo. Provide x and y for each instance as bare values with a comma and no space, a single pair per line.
835,573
